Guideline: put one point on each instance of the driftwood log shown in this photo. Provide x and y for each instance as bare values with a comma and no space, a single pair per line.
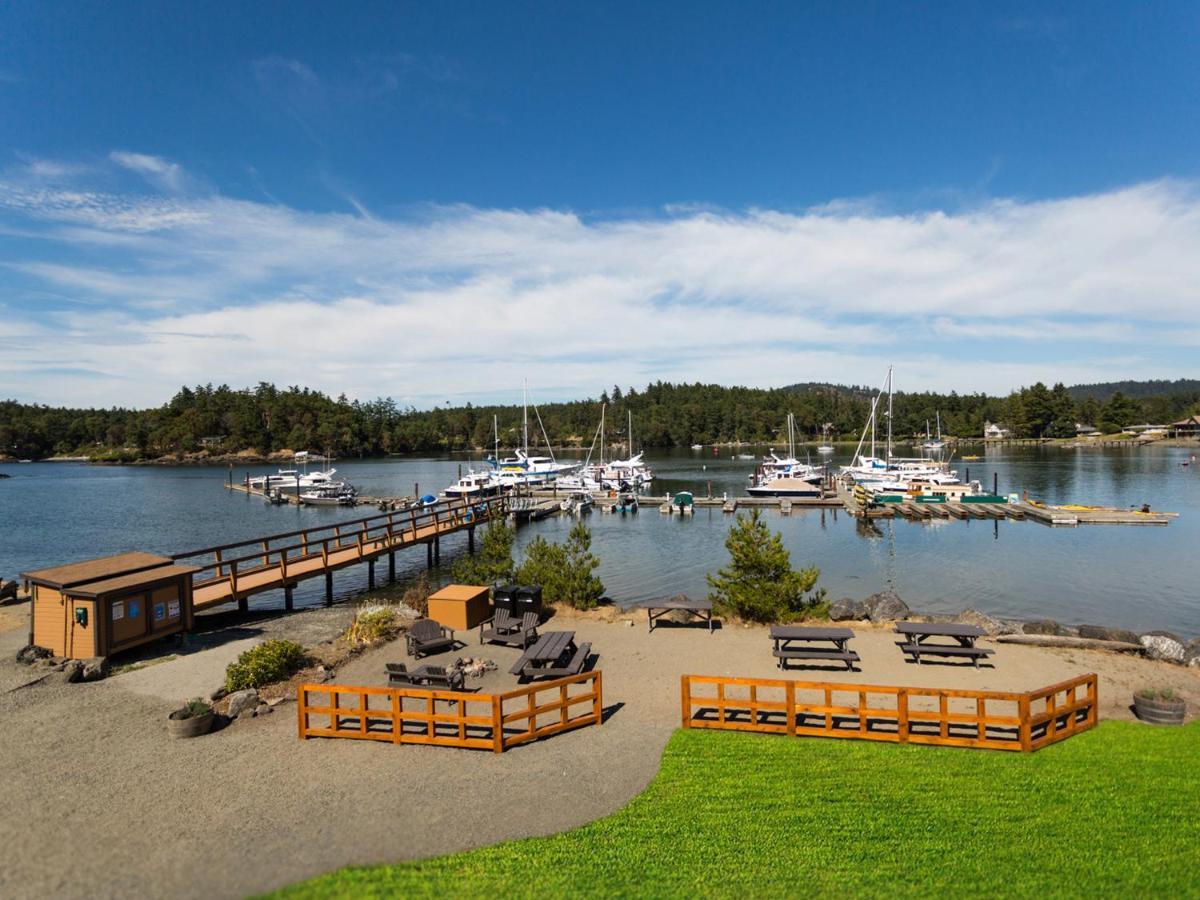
1078,643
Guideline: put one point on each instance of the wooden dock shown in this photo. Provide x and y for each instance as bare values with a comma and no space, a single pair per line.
1047,515
233,572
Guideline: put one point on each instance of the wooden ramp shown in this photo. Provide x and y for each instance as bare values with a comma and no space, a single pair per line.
234,572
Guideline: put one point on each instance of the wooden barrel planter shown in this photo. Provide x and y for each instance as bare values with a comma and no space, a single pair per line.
1158,711
192,726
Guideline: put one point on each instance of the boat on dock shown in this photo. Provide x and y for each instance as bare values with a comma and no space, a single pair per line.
335,494
475,484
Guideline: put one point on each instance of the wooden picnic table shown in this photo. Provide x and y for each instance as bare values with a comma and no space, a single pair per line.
797,642
554,654
963,646
700,609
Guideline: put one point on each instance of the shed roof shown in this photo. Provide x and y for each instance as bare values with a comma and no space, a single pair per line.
1190,420
96,569
131,581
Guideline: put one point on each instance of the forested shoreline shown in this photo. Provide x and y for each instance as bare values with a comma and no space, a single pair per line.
266,419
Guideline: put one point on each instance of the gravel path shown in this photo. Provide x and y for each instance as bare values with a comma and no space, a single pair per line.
103,804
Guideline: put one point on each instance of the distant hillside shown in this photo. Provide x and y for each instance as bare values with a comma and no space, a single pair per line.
1135,390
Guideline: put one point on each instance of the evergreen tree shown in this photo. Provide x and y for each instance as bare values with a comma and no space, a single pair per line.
759,583
493,564
564,571
1118,412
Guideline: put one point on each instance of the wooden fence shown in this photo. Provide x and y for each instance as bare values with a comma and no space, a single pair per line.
494,722
997,720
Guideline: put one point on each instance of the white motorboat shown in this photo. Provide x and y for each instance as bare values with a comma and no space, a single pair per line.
336,493
474,484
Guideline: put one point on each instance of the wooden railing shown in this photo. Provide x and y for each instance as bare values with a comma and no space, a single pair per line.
997,720
370,536
451,718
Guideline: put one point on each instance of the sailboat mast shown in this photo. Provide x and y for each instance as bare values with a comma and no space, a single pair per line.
602,405
496,429
525,417
889,436
629,433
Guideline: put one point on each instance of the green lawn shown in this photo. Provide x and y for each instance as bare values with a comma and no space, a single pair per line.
1114,810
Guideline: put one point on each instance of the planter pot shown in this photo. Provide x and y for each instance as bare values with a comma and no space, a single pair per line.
193,726
1159,712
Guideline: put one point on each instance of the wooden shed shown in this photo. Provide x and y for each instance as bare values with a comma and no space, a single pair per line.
103,606
460,606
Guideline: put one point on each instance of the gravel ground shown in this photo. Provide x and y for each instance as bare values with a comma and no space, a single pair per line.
103,804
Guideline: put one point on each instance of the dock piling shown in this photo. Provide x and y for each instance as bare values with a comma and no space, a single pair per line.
329,588
428,554
370,574
288,602
470,540
392,567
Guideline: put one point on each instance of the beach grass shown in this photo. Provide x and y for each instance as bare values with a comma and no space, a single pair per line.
1111,811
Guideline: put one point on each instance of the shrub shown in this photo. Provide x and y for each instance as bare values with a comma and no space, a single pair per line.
416,597
759,584
494,562
193,709
1152,694
564,571
269,662
372,623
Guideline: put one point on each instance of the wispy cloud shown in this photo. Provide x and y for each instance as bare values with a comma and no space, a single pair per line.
161,173
198,288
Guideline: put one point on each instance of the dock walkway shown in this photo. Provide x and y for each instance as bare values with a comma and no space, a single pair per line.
233,572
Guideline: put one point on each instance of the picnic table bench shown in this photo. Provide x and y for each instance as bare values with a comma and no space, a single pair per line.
787,639
700,609
919,633
553,656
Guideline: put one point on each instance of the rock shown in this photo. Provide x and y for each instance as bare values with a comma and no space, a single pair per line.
263,709
886,606
242,701
990,624
8,590
1163,645
72,671
95,668
847,608
1104,633
1191,653
218,694
31,653
1042,626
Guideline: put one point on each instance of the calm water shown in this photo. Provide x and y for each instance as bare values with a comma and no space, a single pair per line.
1135,577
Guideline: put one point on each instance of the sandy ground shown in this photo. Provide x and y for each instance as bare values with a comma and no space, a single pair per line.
102,803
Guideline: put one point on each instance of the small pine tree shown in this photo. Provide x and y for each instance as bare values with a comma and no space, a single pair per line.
564,571
759,583
493,563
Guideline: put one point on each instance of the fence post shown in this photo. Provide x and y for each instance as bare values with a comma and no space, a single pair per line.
497,724
301,715
598,700
790,712
1026,725
902,715
685,690
397,709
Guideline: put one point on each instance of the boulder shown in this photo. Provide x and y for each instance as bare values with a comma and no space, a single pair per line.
1163,645
1043,626
72,671
886,606
990,624
1191,653
8,591
847,608
1103,633
242,702
95,668
31,653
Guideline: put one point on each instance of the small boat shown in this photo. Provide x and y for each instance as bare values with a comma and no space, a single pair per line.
971,458
931,444
577,502
697,446
785,486
825,448
684,503
474,484
428,500
337,493
626,503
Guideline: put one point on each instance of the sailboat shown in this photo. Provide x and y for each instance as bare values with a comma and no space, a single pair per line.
523,468
930,443
826,448
786,476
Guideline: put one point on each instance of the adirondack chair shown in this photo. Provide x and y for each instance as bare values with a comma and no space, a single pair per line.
427,636
509,629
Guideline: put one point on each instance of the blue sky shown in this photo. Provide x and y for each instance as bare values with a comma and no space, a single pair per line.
986,194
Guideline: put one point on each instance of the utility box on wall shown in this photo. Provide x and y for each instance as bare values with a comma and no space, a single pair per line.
103,606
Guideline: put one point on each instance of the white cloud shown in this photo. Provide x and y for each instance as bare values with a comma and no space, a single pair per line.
159,172
462,302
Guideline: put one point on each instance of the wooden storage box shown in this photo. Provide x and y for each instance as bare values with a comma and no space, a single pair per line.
460,606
